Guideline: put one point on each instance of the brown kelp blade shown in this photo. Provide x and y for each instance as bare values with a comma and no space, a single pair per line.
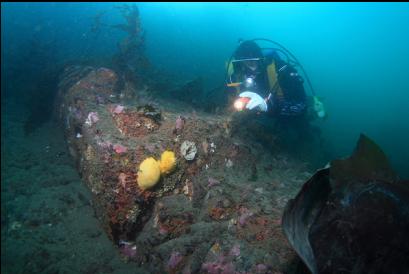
368,162
352,217
301,213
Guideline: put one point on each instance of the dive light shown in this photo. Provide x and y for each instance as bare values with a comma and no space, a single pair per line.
249,82
241,103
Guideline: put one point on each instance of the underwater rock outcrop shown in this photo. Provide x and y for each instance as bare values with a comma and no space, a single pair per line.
204,213
352,217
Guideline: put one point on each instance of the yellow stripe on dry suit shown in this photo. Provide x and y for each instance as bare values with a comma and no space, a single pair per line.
230,69
272,80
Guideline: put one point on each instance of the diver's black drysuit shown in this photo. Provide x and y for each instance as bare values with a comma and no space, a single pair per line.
273,76
277,80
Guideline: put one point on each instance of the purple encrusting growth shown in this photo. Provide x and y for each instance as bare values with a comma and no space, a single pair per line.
179,125
128,249
174,260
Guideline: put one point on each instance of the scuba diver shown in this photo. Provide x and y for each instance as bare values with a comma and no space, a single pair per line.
266,80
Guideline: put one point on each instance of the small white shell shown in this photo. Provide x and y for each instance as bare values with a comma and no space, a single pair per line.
188,150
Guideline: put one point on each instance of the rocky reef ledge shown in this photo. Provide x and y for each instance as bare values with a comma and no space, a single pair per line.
218,210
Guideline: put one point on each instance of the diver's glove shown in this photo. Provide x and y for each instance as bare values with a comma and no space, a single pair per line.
319,107
256,101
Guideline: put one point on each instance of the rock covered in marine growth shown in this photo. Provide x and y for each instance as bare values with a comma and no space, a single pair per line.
171,216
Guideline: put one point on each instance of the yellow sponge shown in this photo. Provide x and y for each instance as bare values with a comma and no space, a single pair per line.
148,173
167,162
